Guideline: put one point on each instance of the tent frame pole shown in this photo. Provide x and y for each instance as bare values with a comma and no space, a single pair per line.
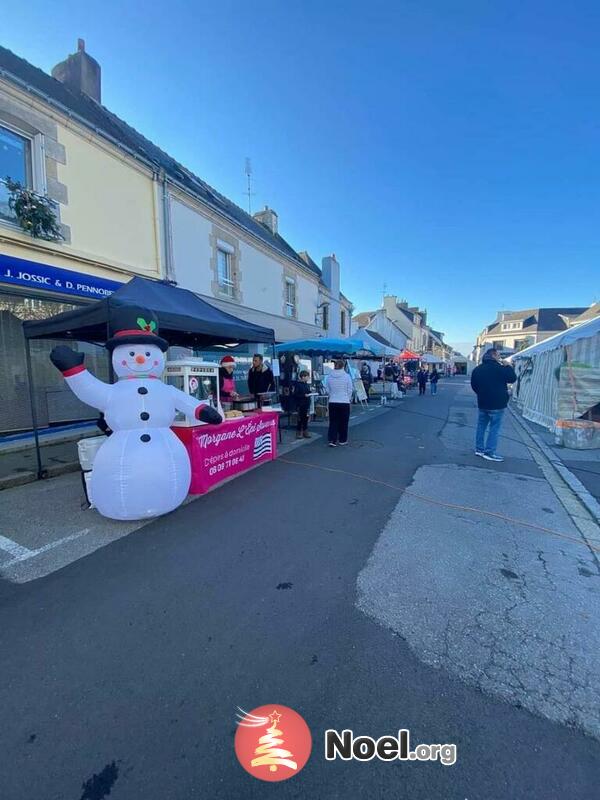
41,473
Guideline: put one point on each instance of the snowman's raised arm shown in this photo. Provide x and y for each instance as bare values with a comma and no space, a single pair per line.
82,383
189,406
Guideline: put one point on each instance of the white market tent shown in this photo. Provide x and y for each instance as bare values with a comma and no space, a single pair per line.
559,378
429,358
380,347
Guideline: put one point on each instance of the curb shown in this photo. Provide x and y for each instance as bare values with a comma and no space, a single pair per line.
576,486
21,478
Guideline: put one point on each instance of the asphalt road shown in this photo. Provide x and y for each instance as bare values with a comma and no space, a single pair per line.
121,673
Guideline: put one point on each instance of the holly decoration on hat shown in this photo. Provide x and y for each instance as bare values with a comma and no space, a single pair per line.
146,326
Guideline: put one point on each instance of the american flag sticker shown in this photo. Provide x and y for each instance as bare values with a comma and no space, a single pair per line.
262,446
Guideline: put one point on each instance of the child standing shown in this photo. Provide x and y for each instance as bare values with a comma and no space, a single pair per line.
301,391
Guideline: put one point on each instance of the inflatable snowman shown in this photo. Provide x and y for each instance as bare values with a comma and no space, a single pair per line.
143,469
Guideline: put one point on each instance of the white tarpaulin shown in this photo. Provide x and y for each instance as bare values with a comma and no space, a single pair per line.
559,378
429,358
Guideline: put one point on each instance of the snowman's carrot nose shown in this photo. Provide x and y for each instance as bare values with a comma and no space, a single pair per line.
140,359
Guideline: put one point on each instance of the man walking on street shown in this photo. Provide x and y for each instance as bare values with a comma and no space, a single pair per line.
489,381
422,380
433,380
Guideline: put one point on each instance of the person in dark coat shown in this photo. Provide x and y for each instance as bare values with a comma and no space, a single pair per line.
302,389
490,382
422,380
260,377
433,380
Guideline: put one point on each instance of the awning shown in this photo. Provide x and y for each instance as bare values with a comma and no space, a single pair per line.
184,318
408,355
429,358
327,347
375,342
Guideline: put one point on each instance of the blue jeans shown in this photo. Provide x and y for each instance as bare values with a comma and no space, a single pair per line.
494,420
434,388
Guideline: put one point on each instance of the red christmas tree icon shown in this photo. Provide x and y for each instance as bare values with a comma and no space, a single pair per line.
269,751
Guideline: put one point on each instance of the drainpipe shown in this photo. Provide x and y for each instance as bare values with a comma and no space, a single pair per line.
166,226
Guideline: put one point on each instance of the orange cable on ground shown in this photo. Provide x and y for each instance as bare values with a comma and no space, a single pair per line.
442,503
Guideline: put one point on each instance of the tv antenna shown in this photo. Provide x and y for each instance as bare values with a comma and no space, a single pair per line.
249,193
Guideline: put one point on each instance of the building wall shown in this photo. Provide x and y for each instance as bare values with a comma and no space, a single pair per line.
382,325
191,249
259,275
106,201
111,209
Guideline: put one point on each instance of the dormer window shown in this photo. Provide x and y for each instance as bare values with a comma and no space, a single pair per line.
512,326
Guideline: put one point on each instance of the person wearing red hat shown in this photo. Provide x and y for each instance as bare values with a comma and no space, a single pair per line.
226,379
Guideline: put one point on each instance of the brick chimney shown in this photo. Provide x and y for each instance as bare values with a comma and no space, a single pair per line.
330,270
80,73
268,218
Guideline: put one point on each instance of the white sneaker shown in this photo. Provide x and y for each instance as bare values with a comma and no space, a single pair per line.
332,444
479,453
342,444
492,457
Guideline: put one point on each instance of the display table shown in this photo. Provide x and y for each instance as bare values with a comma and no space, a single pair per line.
218,452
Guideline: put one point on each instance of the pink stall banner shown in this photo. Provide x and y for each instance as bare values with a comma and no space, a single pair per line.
219,452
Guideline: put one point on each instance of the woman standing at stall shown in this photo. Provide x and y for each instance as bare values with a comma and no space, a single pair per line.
338,385
226,380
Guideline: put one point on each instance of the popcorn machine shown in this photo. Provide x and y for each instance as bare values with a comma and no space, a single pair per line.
195,377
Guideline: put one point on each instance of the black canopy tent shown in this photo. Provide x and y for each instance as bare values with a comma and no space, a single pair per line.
184,319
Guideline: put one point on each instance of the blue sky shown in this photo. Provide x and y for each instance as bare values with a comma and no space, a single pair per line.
449,150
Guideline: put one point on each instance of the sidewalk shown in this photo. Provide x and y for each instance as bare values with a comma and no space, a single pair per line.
45,525
585,464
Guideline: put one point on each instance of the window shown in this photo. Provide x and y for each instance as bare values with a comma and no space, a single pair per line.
343,321
325,317
290,297
15,163
226,284
498,344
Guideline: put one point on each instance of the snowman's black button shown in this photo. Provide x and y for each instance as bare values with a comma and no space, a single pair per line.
145,437
142,390
144,415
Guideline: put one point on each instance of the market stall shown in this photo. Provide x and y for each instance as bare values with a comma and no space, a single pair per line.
220,452
385,354
327,348
558,384
185,320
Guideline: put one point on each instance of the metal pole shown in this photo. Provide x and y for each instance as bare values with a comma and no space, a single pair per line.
111,372
38,454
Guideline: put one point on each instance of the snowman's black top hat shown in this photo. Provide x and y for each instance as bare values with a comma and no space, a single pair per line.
134,325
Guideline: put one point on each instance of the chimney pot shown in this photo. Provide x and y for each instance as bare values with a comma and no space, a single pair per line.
81,45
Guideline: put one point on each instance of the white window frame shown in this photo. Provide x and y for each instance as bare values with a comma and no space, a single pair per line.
227,283
290,305
343,321
37,161
325,316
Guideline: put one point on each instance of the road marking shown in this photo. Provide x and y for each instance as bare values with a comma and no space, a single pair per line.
23,554
14,549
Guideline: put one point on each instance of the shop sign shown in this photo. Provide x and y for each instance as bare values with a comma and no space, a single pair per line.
32,275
